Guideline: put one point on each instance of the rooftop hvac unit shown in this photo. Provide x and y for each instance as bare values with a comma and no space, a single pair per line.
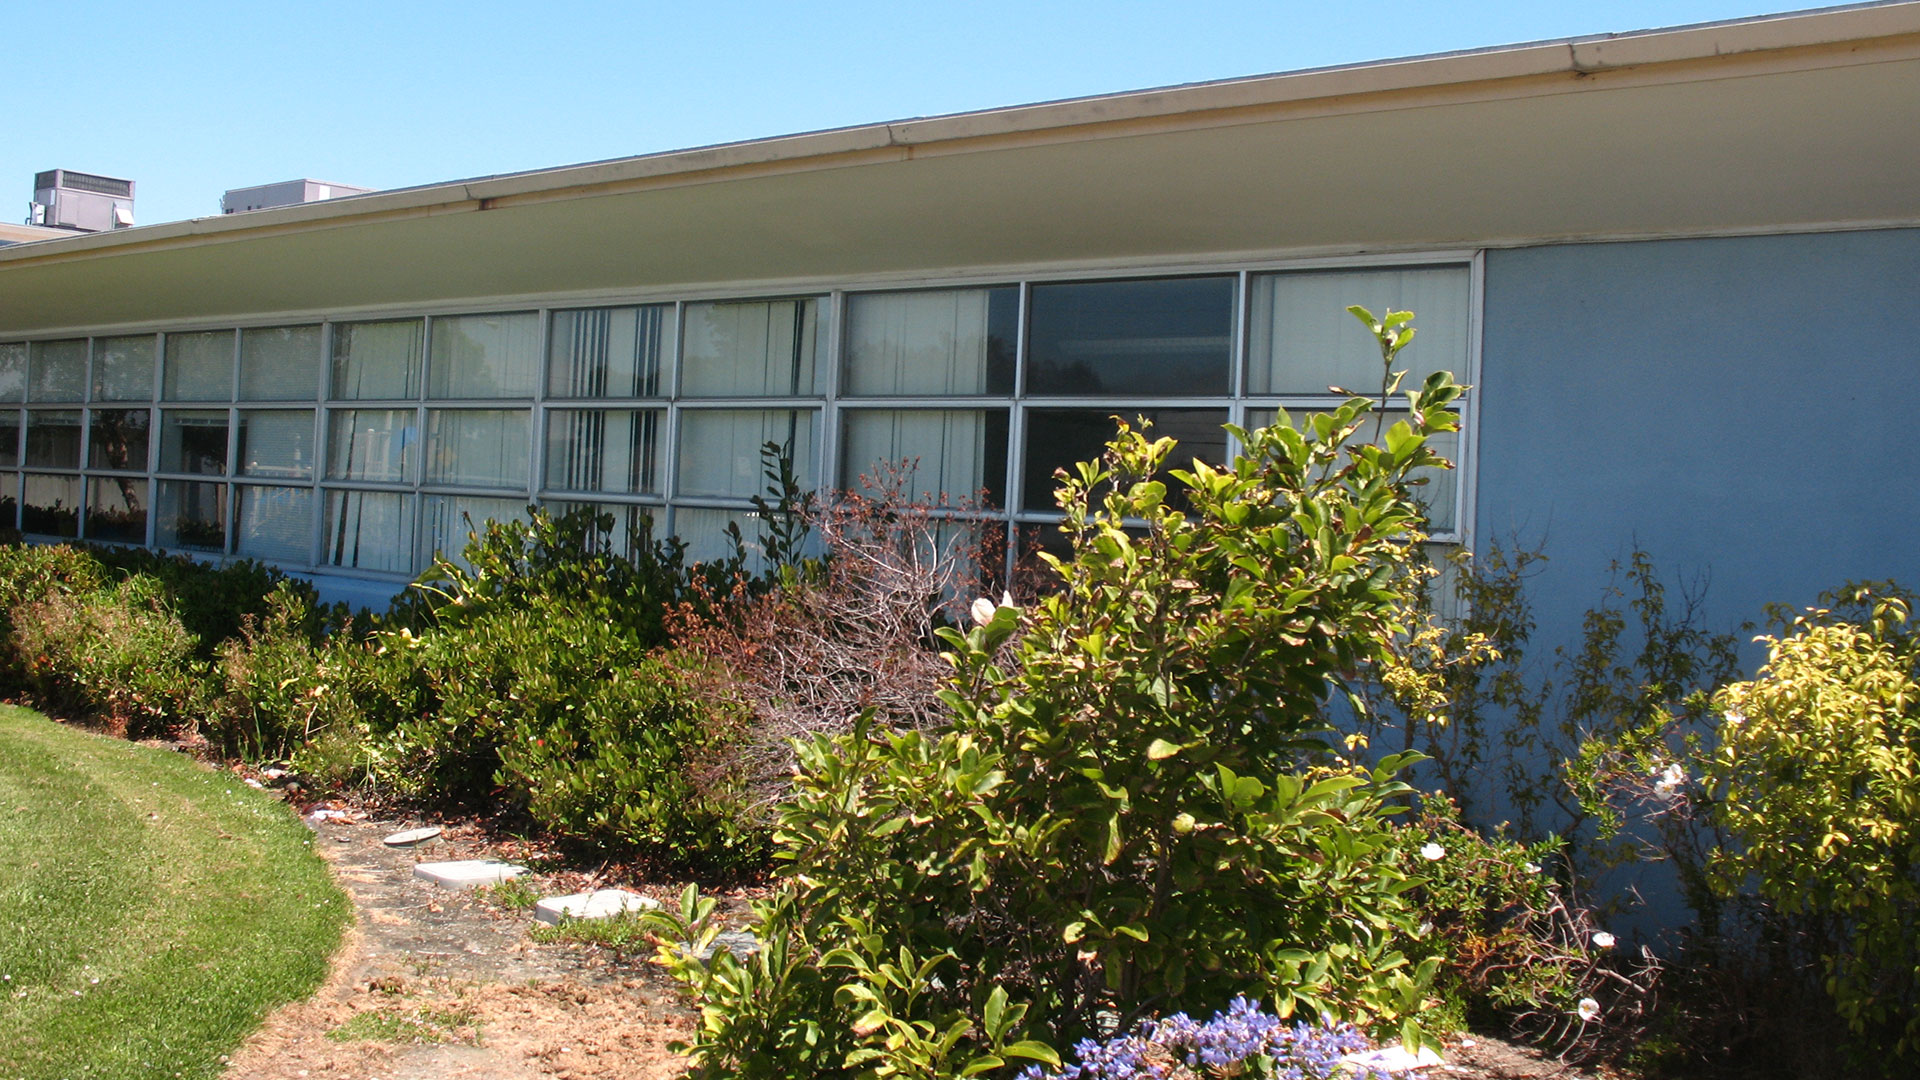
84,202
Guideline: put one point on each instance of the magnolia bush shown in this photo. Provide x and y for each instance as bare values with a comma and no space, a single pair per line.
1136,806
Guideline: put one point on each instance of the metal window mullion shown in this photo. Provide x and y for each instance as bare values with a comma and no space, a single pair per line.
1016,435
317,526
827,447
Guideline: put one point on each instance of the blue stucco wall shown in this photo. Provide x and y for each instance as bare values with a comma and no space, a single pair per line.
1745,409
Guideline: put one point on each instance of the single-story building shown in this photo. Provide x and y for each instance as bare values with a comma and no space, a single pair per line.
1679,268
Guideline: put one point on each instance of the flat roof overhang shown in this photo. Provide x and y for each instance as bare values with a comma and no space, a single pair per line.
1793,121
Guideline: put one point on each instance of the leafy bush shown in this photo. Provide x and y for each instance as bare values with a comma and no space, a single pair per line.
1815,774
215,601
1137,809
116,652
277,690
1511,947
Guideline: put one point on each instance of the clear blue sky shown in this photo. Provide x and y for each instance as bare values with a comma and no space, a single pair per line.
189,99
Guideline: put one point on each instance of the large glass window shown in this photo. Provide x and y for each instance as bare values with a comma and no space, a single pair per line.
9,440
53,439
1165,338
117,509
50,506
720,449
478,447
13,371
280,363
273,523
194,441
933,343
484,356
1058,438
123,368
58,371
449,521
276,443
199,367
372,444
192,514
957,456
370,530
375,361
1302,340
751,348
615,450
608,352
117,439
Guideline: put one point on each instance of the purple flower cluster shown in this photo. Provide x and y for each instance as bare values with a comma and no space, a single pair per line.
1223,1046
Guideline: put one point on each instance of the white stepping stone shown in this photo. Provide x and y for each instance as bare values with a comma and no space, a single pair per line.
412,837
1393,1060
467,873
602,904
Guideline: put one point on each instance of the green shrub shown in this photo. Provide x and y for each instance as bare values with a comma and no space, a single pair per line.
116,652
1136,808
276,690
215,601
1817,775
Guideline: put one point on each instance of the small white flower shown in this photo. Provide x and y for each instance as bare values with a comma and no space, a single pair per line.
1668,781
1433,852
1588,1009
1602,939
1734,716
1426,928
983,610
1533,868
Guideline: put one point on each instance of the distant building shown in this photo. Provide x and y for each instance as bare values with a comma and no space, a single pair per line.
80,202
284,193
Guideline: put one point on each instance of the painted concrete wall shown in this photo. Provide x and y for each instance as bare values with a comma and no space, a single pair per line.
1747,410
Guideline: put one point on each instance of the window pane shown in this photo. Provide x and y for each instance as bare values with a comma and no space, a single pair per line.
1171,338
607,352
273,523
1435,489
376,360
280,363
194,441
484,356
58,371
13,371
276,443
720,449
51,506
53,438
199,366
372,444
604,450
117,509
1302,340
119,439
370,530
932,343
9,501
9,441
191,515
481,447
1058,438
451,520
952,455
751,349
123,368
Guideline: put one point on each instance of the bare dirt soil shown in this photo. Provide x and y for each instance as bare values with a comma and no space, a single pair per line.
456,988
437,984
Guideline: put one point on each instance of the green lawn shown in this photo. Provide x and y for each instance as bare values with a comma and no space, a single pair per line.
152,911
